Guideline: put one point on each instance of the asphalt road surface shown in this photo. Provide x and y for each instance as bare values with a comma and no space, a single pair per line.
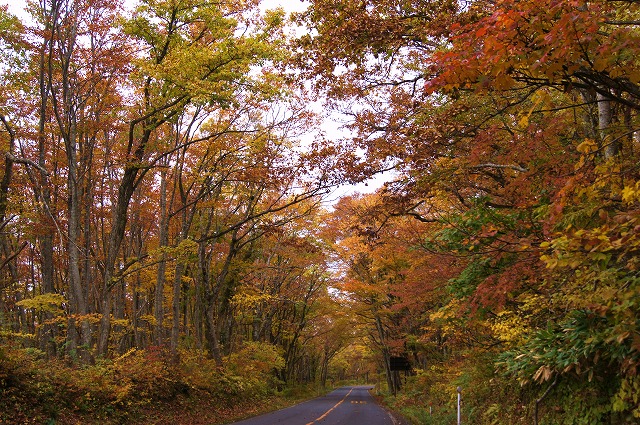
344,406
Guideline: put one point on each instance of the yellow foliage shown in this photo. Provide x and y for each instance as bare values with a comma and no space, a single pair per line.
247,300
447,317
509,326
121,322
10,335
588,146
93,318
631,194
127,354
149,319
628,396
50,303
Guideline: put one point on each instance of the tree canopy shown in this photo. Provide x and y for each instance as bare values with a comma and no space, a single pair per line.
166,189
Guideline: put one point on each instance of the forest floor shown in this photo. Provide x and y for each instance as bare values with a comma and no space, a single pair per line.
183,411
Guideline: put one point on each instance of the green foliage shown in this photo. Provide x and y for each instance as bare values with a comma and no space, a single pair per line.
592,346
466,283
197,51
627,399
582,345
483,236
12,43
430,397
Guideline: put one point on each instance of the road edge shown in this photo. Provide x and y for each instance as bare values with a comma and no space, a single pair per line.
396,417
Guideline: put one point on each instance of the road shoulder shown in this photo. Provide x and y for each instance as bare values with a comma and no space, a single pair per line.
396,417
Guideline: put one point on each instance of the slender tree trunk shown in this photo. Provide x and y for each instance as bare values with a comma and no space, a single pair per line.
175,308
211,289
162,266
211,334
79,297
9,252
46,240
105,320
212,297
324,370
134,314
187,219
386,356
46,245
119,222
605,119
590,114
66,116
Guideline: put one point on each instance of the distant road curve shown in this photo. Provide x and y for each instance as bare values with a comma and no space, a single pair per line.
344,406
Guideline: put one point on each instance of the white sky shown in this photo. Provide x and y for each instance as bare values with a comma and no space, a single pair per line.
288,5
17,6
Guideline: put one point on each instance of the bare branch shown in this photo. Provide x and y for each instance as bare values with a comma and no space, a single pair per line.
502,166
14,255
622,22
26,161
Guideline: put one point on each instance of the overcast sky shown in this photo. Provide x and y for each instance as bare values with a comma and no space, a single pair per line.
288,5
16,6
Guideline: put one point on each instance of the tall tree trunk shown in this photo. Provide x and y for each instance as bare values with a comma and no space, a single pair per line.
46,239
175,309
211,288
104,330
187,215
386,355
211,335
126,188
79,297
187,219
66,114
324,369
9,252
162,266
46,245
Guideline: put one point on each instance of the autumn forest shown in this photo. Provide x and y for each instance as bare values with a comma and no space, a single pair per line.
173,234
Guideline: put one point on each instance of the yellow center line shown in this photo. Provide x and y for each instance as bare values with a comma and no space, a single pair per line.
330,410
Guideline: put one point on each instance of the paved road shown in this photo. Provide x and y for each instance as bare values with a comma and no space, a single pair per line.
344,406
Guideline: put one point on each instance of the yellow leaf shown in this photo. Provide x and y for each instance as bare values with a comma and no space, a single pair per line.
630,193
524,122
588,146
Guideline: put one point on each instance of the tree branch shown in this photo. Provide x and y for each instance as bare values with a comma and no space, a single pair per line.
12,256
502,166
26,161
622,22
538,401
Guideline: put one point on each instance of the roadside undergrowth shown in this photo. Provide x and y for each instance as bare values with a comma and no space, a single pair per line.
142,387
